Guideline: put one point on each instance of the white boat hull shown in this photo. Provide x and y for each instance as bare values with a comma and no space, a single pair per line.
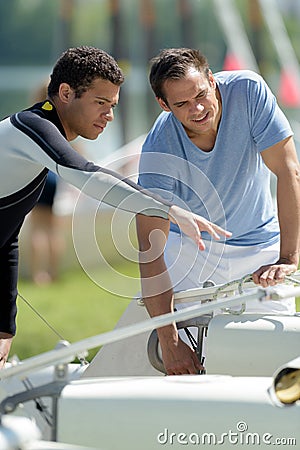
151,413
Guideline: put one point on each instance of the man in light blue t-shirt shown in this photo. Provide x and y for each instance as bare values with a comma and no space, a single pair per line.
212,151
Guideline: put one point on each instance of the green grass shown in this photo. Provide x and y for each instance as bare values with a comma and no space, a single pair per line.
75,306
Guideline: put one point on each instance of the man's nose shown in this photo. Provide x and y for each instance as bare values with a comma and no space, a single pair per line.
197,106
109,115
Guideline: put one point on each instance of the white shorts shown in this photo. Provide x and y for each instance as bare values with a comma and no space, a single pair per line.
189,267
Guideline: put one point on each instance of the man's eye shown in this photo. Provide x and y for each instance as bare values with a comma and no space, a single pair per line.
202,94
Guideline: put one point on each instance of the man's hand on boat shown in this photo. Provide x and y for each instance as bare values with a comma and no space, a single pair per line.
191,224
178,357
272,274
5,344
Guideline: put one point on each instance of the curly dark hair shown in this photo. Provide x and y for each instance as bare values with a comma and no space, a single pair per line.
80,66
173,63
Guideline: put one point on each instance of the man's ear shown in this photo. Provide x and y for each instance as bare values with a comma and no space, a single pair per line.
163,104
65,92
211,79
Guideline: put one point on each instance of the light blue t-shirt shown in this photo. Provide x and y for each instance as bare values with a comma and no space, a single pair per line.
230,185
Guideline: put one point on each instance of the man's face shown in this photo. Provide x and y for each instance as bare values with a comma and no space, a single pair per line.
88,115
194,102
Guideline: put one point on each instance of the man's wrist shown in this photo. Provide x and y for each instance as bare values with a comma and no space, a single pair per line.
168,333
5,335
289,258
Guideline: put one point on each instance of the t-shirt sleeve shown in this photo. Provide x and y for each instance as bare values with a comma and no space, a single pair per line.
153,178
268,123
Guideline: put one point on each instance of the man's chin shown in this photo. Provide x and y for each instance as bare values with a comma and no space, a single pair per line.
92,137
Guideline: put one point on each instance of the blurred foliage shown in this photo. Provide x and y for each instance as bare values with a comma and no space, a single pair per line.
26,30
34,33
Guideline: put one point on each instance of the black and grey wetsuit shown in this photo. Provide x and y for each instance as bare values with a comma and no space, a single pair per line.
32,142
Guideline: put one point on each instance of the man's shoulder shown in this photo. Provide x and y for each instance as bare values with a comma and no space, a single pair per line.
40,116
161,131
242,80
242,84
162,122
229,76
29,114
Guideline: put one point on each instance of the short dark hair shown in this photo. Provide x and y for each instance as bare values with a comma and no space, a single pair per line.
173,63
80,66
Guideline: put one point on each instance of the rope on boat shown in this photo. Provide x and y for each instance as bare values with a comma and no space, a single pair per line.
240,287
81,358
41,317
292,279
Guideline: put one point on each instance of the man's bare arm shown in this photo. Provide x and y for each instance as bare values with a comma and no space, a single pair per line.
157,294
157,289
282,160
